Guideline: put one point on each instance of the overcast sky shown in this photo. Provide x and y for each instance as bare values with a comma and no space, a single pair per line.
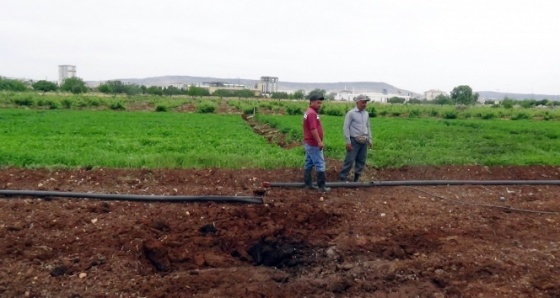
491,45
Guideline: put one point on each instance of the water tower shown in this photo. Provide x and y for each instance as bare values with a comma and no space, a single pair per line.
65,72
268,85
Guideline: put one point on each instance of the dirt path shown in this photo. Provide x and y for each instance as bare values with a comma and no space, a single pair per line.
352,242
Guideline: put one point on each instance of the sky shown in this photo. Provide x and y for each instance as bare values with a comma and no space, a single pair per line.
510,46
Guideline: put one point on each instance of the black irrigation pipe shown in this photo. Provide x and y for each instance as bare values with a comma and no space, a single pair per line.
137,198
418,182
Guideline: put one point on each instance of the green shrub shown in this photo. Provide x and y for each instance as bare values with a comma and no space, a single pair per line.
294,110
117,106
94,102
371,110
53,104
520,116
205,108
162,108
25,100
333,111
249,110
415,113
488,116
450,115
466,114
66,103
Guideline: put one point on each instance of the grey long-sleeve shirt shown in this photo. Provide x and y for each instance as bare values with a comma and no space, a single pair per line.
356,124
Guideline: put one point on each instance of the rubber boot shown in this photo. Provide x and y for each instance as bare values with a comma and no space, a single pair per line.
321,182
308,179
357,177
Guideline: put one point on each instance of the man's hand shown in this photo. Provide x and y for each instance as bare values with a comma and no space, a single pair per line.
348,147
371,145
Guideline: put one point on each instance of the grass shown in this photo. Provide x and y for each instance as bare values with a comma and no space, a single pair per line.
70,138
123,139
410,141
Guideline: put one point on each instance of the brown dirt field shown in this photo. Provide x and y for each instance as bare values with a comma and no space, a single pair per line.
425,241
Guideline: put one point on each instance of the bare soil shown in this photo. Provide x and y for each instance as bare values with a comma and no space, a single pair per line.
425,241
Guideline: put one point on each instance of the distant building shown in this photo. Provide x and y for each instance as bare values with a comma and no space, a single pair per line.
268,85
432,94
65,72
213,86
347,95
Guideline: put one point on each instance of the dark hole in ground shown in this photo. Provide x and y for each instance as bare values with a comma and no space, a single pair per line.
278,253
208,229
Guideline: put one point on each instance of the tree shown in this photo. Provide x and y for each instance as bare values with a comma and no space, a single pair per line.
443,100
318,92
12,85
280,95
508,103
299,94
154,90
113,87
75,85
244,93
197,91
44,86
171,90
463,95
396,99
414,101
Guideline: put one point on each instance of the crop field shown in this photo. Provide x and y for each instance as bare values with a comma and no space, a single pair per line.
31,138
368,241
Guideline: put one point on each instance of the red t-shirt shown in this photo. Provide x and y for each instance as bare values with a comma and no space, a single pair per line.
311,121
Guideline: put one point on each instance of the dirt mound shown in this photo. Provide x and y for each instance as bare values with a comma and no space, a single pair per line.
426,241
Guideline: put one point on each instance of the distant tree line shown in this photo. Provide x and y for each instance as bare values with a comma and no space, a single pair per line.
460,95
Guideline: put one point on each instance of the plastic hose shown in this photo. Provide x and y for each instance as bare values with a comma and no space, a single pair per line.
140,198
419,182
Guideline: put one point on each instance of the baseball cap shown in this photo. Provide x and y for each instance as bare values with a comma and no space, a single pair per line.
361,97
316,97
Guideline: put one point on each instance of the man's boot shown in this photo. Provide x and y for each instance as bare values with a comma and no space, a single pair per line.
321,182
357,177
308,179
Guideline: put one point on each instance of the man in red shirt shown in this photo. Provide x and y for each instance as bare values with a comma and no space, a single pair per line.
313,144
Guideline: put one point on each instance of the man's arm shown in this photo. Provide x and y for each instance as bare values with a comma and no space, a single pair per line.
346,127
370,134
315,135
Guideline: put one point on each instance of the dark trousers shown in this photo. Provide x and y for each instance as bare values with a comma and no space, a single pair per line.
357,155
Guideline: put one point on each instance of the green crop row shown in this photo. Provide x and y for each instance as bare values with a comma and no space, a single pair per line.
123,139
183,103
410,141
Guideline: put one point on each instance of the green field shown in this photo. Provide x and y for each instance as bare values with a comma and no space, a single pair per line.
122,139
425,141
31,138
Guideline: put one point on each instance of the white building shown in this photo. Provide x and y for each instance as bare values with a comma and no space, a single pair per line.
347,95
268,85
65,72
432,94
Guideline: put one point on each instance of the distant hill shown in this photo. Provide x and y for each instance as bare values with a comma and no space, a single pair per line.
356,87
488,95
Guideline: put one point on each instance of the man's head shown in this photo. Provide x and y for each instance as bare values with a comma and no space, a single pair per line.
315,101
361,101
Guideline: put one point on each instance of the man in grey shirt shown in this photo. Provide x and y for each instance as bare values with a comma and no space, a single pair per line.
357,132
